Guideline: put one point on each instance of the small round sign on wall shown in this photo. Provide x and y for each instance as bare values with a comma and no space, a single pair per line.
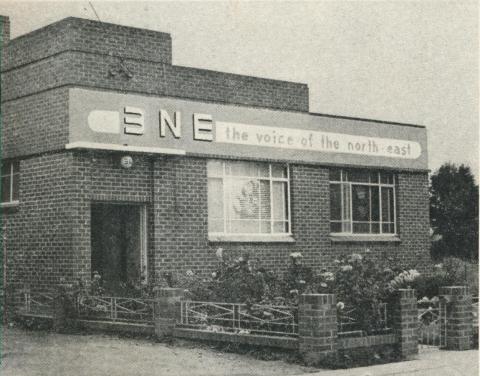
126,161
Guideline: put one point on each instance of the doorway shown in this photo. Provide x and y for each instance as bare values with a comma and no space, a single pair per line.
118,243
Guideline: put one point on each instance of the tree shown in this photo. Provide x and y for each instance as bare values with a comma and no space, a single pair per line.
454,212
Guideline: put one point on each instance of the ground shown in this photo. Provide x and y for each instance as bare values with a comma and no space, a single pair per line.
36,353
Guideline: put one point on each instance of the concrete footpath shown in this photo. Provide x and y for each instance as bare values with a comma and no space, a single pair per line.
431,362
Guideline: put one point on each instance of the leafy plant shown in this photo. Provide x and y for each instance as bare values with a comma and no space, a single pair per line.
454,212
362,284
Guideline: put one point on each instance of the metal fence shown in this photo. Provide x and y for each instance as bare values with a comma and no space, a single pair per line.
432,325
111,308
240,318
349,324
38,303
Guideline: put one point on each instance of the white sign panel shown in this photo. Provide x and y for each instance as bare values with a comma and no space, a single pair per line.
326,142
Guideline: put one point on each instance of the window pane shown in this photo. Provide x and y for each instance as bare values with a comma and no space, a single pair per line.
334,174
359,176
244,199
335,202
280,226
265,210
346,227
361,228
360,203
279,171
279,201
6,168
265,227
214,168
386,178
373,177
346,205
335,227
245,227
16,187
6,188
263,170
375,228
388,228
375,203
387,204
245,195
243,169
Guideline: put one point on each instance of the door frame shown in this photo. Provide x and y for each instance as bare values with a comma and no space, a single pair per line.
143,230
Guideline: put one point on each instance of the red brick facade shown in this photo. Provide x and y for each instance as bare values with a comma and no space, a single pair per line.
47,236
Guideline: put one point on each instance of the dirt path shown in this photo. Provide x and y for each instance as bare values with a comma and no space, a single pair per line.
40,353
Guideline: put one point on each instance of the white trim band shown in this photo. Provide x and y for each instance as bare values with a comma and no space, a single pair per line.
141,149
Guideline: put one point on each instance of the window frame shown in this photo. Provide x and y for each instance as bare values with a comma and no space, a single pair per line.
346,182
11,174
271,179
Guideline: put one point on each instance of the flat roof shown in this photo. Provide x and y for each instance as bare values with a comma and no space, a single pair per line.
367,120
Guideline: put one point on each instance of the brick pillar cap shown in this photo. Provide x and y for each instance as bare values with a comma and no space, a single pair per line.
456,290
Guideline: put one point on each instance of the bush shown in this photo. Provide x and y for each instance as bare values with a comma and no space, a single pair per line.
238,280
362,285
448,273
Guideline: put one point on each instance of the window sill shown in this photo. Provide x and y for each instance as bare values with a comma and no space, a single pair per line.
364,238
251,238
10,204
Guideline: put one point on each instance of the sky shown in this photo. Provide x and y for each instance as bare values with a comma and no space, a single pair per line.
404,61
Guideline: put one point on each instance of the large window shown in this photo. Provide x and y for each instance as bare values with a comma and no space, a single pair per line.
10,180
362,202
248,198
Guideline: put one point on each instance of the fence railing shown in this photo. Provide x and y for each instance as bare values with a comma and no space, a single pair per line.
111,308
432,321
38,303
349,325
240,318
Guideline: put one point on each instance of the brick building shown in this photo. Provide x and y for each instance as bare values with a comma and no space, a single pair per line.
117,161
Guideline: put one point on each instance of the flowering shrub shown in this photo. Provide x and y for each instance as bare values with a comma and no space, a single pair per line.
362,285
448,273
237,280
404,280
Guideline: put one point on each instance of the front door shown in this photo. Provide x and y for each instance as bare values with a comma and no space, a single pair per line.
118,244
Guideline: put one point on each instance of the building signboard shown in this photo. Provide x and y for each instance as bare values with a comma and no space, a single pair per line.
114,121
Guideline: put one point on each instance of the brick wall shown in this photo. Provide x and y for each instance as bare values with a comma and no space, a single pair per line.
38,233
36,123
85,69
5,25
59,189
77,34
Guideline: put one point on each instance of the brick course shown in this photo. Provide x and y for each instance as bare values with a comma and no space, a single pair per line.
78,34
405,322
458,328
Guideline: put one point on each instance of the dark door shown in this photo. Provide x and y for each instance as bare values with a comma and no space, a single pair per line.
116,244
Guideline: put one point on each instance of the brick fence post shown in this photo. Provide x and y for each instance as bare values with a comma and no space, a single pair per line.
167,310
317,327
60,308
458,327
405,322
